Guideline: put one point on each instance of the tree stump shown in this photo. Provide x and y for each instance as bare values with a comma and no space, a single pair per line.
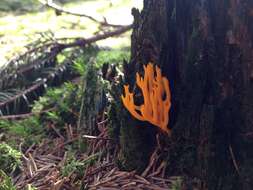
205,49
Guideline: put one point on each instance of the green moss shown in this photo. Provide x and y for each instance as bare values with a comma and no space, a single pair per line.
112,56
5,182
28,131
9,158
72,165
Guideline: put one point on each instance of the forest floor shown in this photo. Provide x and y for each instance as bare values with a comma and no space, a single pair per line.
43,148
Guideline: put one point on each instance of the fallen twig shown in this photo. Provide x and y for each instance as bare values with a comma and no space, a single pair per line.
87,41
26,115
96,137
233,159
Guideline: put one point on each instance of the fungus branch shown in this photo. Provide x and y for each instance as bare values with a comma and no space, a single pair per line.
156,95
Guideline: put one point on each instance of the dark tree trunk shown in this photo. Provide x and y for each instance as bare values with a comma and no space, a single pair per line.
204,47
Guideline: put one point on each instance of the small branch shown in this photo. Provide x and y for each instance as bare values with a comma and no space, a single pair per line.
95,137
26,115
83,41
32,88
56,131
234,160
35,168
58,8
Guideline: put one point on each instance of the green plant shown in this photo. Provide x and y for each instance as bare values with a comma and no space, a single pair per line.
99,58
30,187
30,130
177,184
71,167
64,100
79,66
78,166
5,182
9,158
111,56
80,63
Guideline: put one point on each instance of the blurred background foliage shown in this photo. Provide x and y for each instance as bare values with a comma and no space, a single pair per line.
22,6
23,21
24,24
17,5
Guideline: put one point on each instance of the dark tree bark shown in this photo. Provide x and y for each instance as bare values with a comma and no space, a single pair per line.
204,47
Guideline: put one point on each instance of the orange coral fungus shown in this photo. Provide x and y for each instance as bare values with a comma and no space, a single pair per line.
156,95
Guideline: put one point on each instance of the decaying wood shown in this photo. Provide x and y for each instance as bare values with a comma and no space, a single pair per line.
205,50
